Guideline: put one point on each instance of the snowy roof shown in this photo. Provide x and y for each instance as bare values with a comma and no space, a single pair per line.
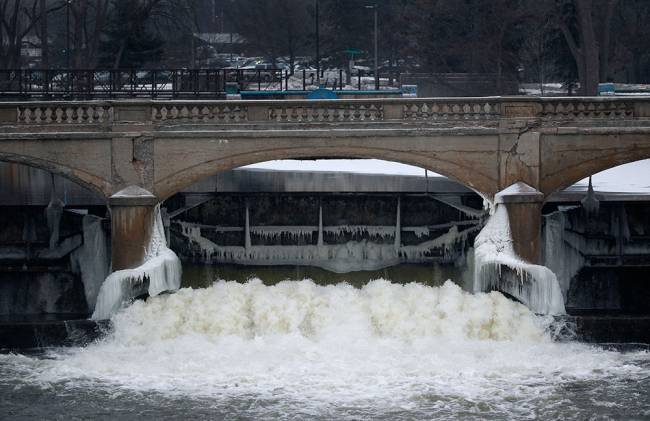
133,191
133,196
519,192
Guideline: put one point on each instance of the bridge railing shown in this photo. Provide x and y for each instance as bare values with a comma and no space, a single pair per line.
435,110
171,83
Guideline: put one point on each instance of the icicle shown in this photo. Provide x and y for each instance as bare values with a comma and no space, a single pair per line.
247,231
93,258
53,214
420,231
590,203
398,225
373,231
562,249
320,225
275,233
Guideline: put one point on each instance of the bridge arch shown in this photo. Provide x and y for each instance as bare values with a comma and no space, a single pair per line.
482,184
96,184
570,175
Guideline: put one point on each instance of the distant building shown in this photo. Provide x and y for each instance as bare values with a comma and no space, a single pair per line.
222,42
30,51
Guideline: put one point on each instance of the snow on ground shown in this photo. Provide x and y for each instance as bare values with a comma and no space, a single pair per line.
629,178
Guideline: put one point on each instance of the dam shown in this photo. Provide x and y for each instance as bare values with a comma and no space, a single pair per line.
324,226
146,266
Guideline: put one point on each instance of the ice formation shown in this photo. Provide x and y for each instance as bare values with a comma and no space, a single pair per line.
447,242
161,271
275,233
92,259
496,266
53,214
373,231
340,257
562,249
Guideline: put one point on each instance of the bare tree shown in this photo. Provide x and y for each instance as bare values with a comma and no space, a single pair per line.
590,54
18,19
273,27
89,22
535,53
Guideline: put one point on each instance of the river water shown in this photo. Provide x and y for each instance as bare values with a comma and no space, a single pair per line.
300,350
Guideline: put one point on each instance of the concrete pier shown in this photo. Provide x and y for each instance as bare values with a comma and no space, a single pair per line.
524,205
132,213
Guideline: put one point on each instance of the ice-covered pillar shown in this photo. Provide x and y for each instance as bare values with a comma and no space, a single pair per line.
132,213
524,205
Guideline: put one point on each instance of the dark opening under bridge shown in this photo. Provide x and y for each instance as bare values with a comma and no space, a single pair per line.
138,153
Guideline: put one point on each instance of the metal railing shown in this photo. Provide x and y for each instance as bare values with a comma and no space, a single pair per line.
168,83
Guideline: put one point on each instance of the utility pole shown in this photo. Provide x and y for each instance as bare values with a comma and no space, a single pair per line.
317,45
376,58
45,50
67,33
374,7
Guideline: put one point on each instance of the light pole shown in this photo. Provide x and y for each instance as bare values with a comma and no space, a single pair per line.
374,7
67,33
317,45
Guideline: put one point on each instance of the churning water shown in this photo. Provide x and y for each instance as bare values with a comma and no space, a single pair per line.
300,350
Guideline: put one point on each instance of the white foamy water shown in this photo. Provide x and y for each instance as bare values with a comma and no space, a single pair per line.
296,345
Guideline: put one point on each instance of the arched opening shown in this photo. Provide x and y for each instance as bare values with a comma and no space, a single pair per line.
596,237
54,244
196,168
330,220
98,186
617,169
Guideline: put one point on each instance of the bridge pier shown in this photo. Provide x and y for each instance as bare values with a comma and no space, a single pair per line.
132,217
524,205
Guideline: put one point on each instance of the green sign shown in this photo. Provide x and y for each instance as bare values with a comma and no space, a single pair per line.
352,51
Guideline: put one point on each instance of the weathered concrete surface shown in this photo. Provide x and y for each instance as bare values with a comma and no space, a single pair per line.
132,213
524,205
469,159
569,156
487,144
484,143
526,227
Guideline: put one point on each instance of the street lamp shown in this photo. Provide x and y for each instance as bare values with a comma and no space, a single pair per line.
374,7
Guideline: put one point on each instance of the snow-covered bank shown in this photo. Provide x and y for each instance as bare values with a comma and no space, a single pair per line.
496,266
161,271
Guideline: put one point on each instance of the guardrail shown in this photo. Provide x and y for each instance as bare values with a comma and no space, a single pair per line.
435,110
168,83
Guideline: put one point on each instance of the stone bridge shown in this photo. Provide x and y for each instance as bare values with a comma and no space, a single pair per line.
138,153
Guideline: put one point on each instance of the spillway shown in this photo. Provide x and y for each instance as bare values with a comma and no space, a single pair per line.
384,351
345,305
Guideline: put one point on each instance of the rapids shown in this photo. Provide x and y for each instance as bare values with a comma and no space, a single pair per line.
300,350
